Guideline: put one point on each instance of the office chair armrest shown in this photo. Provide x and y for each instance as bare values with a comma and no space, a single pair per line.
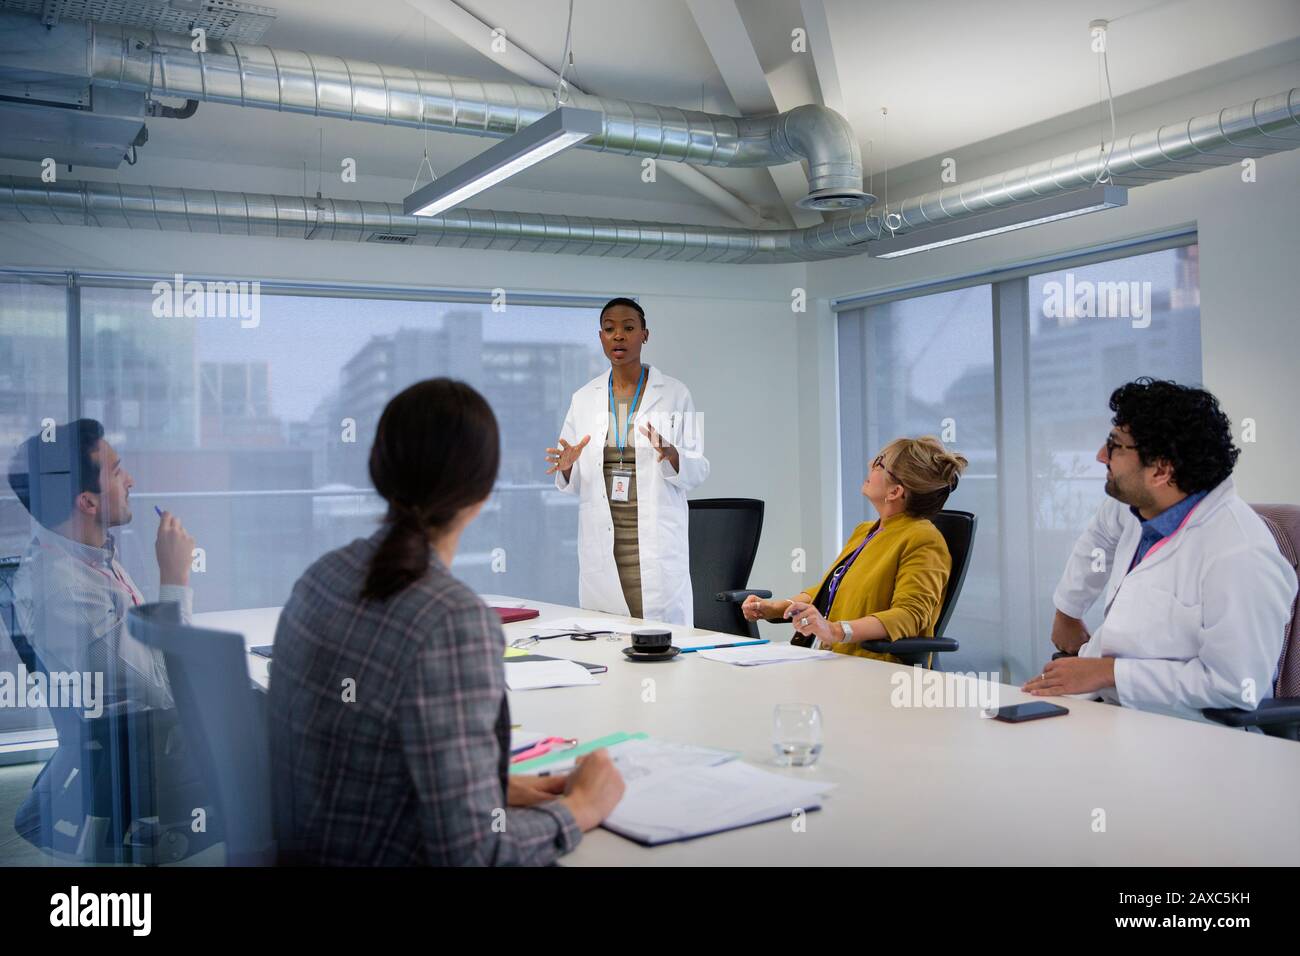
910,645
738,597
1274,712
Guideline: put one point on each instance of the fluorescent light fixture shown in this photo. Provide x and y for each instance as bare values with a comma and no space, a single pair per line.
556,131
1003,220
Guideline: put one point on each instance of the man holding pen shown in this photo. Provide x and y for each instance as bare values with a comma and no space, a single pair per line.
71,591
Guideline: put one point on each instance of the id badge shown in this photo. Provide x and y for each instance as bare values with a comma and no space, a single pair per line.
621,485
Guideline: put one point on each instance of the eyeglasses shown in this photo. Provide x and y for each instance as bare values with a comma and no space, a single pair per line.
880,463
1112,444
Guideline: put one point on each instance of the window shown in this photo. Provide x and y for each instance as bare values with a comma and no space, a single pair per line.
924,366
1078,356
257,434
254,426
1016,375
33,389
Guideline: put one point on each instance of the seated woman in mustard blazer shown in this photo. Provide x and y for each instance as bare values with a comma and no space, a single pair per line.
889,580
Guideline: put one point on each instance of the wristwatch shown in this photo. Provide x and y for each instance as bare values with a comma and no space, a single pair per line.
847,628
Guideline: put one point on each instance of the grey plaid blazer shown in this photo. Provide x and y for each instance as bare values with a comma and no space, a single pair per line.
390,730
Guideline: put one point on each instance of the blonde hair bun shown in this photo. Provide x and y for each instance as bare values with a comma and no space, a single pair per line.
926,469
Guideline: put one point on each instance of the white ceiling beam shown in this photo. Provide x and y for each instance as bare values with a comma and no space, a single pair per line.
469,29
724,33
823,53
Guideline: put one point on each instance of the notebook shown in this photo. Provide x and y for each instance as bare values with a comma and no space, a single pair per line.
523,658
509,615
685,802
536,675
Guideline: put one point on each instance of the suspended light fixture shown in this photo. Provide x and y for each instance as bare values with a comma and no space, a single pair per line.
1003,220
559,129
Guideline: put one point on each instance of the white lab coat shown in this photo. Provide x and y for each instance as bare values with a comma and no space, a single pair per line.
661,497
1199,622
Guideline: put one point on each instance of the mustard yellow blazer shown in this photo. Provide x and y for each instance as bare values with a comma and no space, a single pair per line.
899,579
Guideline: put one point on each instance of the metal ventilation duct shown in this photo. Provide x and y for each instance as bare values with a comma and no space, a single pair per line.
1267,125
292,81
1270,124
297,217
123,59
220,19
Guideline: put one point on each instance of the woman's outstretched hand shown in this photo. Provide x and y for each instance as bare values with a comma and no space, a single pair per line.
566,456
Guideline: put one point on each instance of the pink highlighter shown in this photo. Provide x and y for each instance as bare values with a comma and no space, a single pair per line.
543,746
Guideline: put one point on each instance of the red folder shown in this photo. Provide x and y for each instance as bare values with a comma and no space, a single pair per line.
511,614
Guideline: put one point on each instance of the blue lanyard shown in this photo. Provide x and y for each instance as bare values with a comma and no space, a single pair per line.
620,435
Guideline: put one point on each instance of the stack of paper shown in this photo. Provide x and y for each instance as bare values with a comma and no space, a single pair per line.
690,801
533,675
637,758
765,654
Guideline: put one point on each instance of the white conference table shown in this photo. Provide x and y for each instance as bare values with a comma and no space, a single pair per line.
920,786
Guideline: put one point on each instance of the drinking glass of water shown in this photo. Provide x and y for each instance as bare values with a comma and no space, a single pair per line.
797,734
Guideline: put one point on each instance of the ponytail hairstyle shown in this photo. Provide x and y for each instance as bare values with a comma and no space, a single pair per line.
437,450
927,470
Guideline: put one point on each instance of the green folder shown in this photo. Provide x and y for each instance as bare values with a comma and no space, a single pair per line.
555,756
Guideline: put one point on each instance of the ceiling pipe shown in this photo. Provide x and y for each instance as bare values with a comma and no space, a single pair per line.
171,209
329,86
1270,124
259,76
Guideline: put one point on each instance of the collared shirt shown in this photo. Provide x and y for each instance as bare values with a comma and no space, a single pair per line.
1162,525
71,601
390,729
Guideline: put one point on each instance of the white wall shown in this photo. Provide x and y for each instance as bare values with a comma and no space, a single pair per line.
1249,273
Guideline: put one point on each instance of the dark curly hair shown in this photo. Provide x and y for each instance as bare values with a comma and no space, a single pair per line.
1181,425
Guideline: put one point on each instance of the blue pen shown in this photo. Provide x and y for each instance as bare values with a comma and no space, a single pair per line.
157,510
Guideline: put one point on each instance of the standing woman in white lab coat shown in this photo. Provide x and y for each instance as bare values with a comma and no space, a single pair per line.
630,449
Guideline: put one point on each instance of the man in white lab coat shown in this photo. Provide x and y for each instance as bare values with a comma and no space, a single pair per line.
1197,595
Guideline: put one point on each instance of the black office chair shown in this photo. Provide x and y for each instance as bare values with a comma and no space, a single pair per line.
225,721
724,535
118,789
958,530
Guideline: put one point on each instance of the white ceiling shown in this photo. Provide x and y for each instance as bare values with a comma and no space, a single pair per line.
952,73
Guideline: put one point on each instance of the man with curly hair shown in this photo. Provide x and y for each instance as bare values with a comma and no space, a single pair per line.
1197,595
